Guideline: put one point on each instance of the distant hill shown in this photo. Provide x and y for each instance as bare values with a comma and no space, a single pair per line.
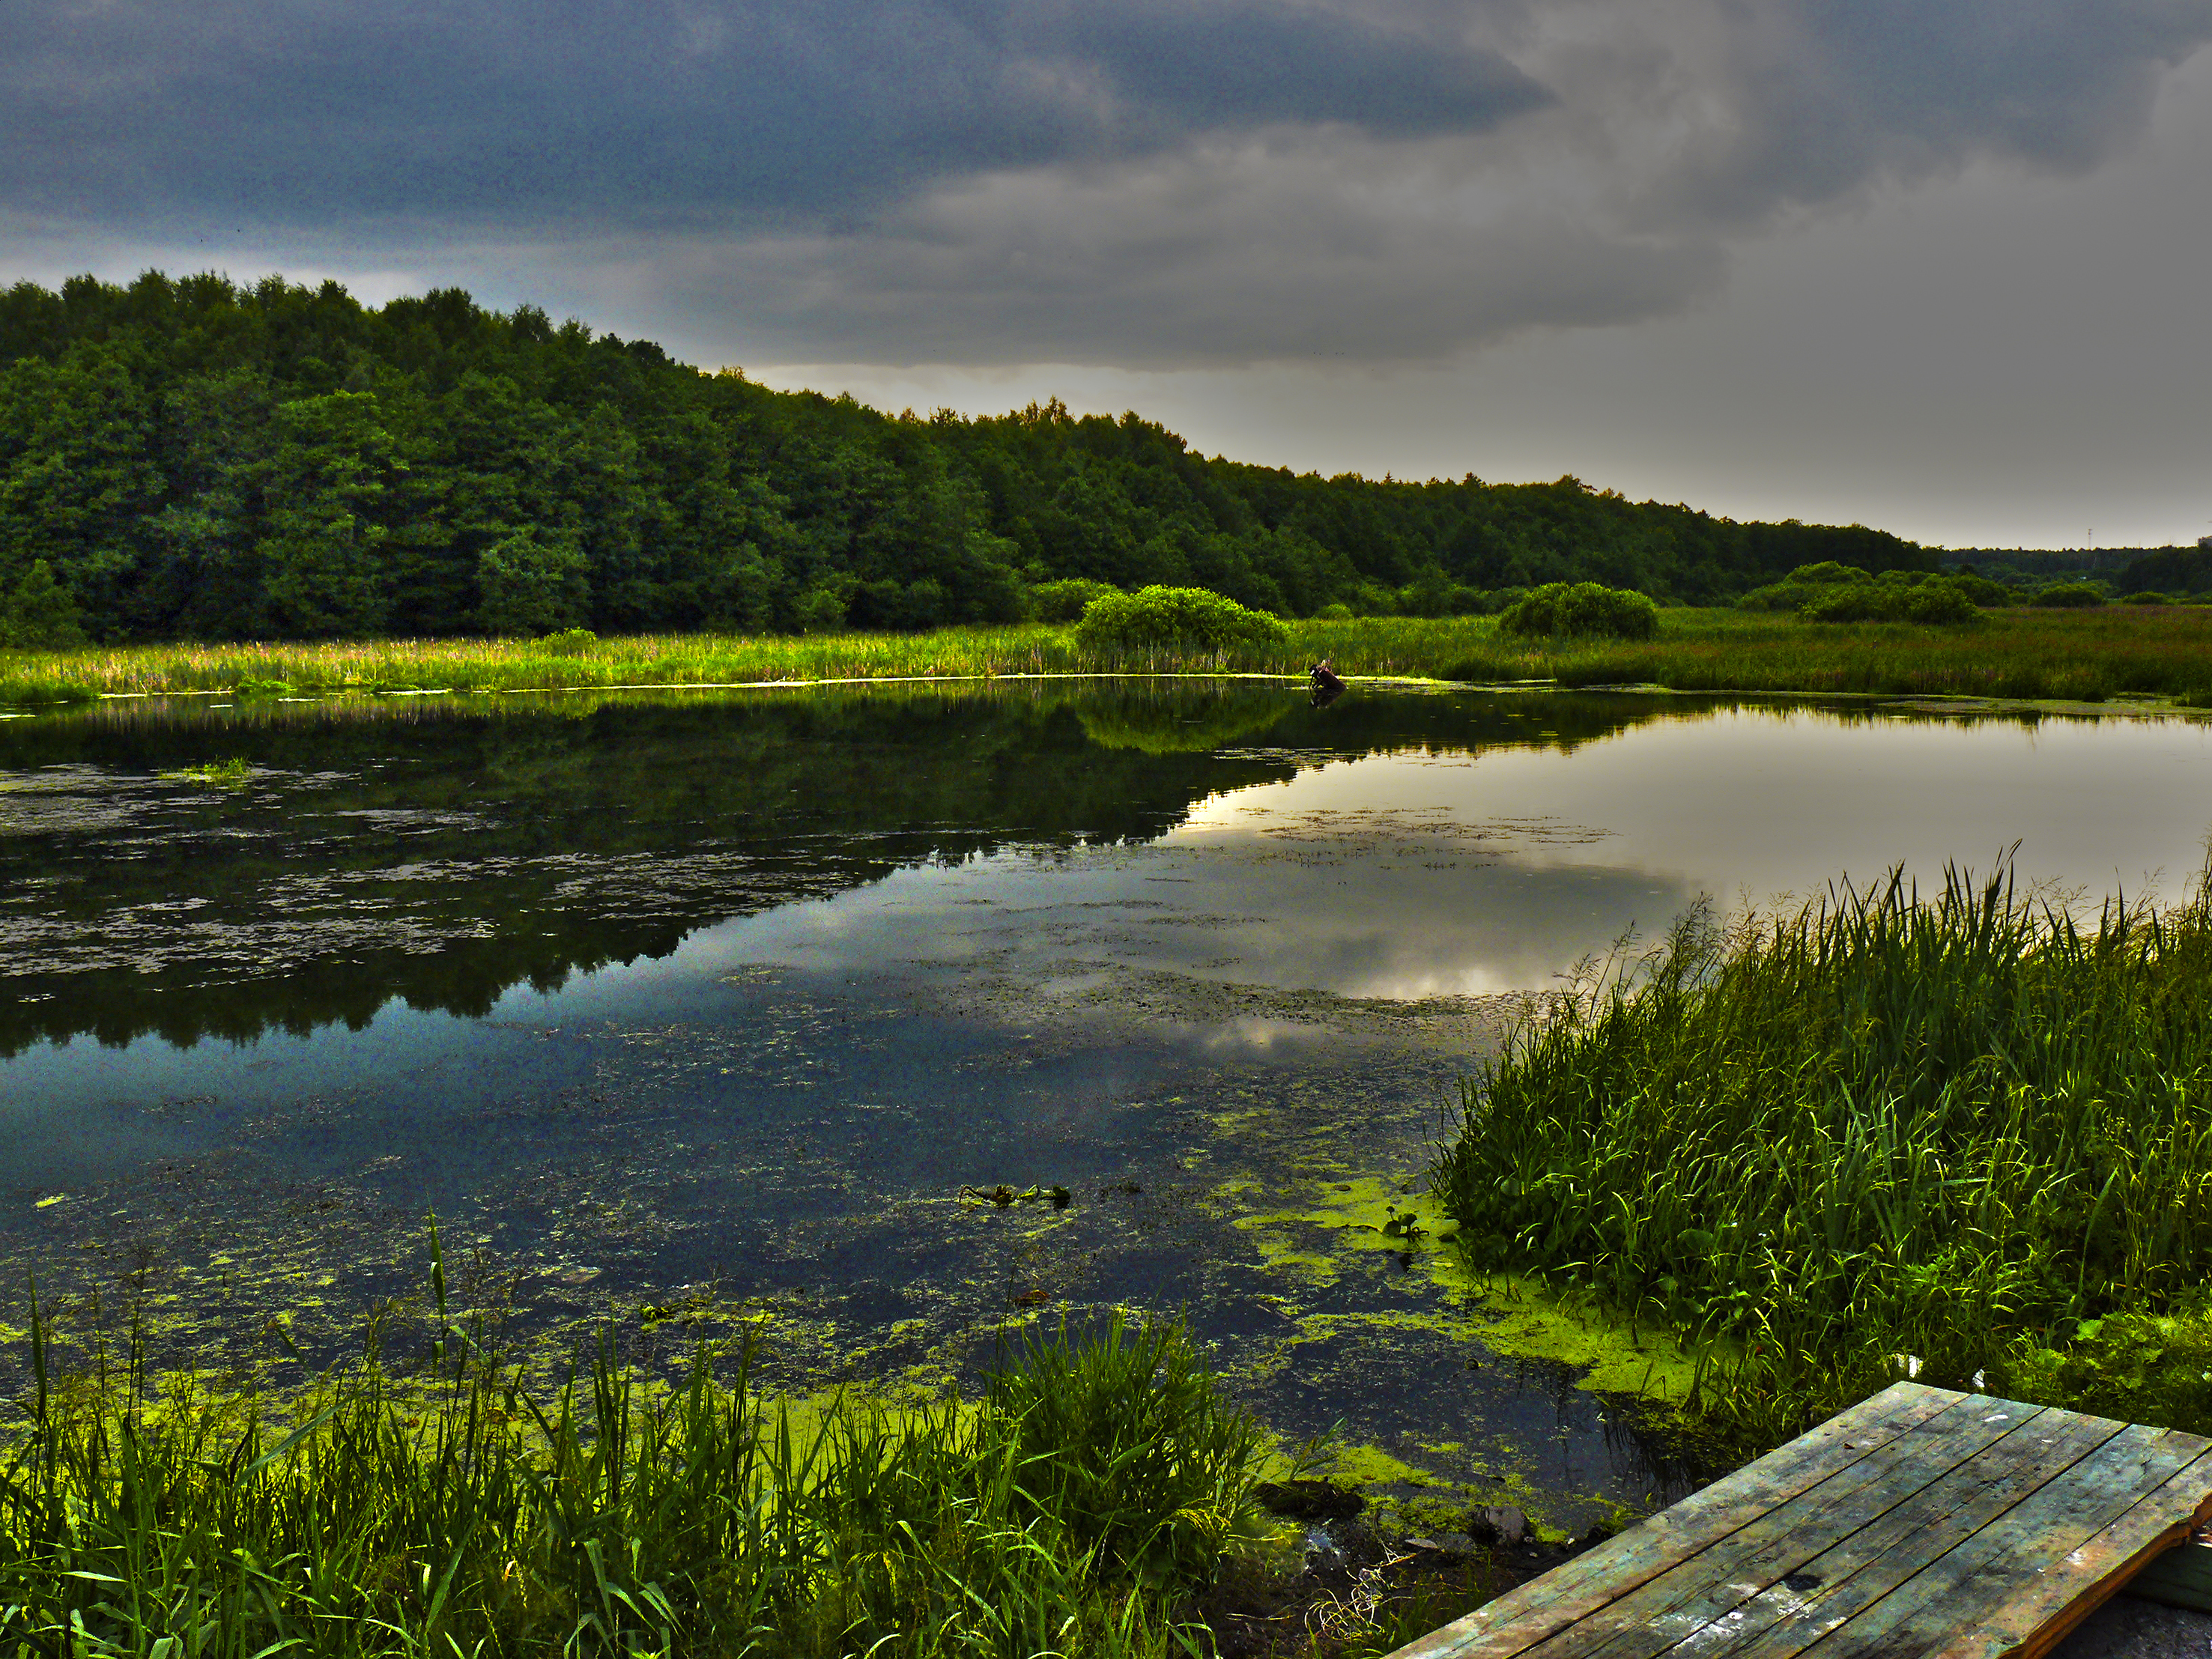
191,459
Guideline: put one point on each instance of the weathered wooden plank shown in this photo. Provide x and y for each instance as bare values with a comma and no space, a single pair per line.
2069,1588
1524,1617
1858,1571
1971,1582
1689,1598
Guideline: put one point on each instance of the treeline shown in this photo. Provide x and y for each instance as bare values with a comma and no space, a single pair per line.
189,458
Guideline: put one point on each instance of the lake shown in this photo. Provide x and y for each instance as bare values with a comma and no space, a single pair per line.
710,1013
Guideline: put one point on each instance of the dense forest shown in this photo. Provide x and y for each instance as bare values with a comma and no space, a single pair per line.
189,458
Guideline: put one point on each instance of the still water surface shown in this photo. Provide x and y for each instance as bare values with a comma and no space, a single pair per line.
699,1012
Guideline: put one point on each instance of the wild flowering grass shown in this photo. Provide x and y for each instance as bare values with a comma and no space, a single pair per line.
2085,655
454,1514
1954,1126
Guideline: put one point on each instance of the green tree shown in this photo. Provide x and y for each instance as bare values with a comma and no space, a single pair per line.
325,489
39,614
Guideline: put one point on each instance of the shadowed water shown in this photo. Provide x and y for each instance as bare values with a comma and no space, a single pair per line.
700,1012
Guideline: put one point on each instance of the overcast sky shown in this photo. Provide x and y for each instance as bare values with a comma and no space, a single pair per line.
1936,265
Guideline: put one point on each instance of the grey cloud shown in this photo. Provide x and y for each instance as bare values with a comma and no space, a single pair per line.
1825,97
653,112
1149,182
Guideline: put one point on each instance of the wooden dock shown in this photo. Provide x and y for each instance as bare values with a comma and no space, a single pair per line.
1920,1523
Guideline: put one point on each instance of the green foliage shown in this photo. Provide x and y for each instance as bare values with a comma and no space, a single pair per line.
232,773
195,460
455,1512
1883,1125
2069,596
33,690
1583,610
253,686
2145,597
1334,613
1938,600
2138,1367
1064,601
569,643
38,614
1173,618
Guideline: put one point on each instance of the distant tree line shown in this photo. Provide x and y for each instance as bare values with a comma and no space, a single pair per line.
189,458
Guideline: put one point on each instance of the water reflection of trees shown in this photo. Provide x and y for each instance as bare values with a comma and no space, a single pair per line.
442,851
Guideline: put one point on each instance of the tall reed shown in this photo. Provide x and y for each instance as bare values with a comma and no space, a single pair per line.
452,1514
1887,1124
2088,654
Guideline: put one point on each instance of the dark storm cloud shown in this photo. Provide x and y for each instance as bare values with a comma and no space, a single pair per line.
1155,182
648,111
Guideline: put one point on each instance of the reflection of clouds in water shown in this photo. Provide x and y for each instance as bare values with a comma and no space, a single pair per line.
1333,917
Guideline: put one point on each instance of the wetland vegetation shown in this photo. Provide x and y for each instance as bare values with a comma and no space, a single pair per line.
2093,655
442,1507
1960,1135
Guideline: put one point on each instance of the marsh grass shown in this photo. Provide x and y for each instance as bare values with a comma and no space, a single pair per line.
232,773
1954,1126
452,1513
2088,655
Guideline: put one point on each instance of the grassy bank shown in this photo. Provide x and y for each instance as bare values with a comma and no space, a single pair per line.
2086,654
1959,1128
1074,1509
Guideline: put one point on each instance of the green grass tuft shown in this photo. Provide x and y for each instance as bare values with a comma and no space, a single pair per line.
451,1513
1950,1127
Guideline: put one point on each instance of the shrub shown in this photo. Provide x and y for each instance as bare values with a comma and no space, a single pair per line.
1334,613
2069,596
1939,600
1186,618
2146,598
1065,601
1827,572
569,643
1588,608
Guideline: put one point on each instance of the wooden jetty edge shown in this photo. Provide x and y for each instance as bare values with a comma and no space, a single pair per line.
1920,1523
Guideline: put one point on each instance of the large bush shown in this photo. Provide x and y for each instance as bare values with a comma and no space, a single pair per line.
1187,618
1938,600
1065,601
2068,596
1588,608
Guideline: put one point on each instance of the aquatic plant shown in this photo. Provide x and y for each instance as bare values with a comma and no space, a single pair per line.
232,773
449,1510
31,690
1949,1127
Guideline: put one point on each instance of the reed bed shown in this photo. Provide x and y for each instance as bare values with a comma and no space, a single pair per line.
454,1515
2077,655
1888,1133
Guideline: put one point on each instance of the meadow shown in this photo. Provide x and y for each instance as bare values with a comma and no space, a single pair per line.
1959,1135
2077,655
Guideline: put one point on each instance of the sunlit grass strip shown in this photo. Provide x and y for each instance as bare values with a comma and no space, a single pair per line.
2012,654
456,1515
1886,1124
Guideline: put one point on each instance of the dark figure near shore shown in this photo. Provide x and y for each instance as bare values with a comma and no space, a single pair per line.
1327,688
